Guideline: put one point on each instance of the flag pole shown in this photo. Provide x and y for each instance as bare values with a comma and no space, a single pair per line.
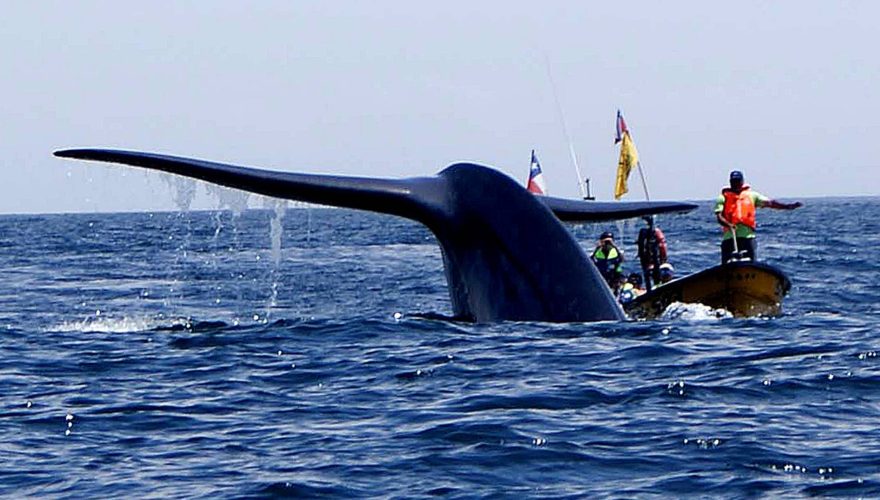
639,165
644,184
574,160
621,130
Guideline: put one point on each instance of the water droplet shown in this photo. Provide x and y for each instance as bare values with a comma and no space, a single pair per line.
767,382
256,317
397,315
29,404
830,376
279,353
69,417
665,331
67,432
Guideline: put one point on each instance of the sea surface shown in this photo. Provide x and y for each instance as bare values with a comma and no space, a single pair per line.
209,354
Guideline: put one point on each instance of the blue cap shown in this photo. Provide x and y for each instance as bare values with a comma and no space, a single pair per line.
736,174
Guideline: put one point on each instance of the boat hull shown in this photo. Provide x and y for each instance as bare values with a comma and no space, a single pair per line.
745,289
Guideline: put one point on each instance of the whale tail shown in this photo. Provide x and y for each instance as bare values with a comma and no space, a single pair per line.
506,254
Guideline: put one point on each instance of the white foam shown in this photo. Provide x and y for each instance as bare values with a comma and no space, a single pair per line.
693,312
107,325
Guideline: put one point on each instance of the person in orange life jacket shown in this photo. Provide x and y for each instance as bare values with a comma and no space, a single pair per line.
652,251
735,211
609,260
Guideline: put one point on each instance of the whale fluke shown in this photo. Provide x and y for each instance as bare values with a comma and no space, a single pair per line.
506,254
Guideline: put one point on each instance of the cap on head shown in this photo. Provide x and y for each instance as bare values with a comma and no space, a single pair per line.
667,272
736,175
648,218
607,235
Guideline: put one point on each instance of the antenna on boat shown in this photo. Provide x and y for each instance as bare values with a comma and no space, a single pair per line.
585,193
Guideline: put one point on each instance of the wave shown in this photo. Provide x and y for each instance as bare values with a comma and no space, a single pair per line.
693,312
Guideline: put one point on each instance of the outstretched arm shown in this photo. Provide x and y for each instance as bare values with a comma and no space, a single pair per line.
782,206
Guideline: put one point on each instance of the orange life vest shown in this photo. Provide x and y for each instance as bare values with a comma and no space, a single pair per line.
738,207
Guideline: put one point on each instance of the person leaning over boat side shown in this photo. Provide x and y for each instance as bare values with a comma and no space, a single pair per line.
609,260
735,211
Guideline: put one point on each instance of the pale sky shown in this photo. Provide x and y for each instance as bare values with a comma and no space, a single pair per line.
786,91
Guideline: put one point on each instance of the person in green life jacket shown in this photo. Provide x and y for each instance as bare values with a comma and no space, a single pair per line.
609,260
735,211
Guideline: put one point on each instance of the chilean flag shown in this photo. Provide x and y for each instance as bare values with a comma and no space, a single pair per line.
621,128
536,177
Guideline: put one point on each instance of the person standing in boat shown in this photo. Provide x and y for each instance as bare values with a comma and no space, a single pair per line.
609,260
652,251
735,211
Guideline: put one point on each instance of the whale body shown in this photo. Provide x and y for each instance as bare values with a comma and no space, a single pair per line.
506,253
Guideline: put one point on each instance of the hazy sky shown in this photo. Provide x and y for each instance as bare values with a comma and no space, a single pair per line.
786,91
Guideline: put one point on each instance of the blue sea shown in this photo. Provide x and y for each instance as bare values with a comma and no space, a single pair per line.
273,353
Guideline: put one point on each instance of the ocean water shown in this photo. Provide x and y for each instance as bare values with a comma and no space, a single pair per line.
206,355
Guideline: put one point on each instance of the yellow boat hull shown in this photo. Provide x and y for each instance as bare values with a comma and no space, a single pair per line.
745,289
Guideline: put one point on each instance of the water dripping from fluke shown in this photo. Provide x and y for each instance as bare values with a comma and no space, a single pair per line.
276,231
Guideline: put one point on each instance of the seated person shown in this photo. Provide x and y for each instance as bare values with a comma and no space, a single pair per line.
631,289
635,279
667,272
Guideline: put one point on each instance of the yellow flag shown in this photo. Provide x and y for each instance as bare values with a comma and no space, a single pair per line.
629,157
